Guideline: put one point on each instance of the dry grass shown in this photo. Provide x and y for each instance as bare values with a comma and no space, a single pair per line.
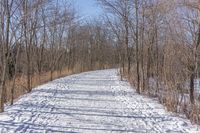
171,100
194,115
36,79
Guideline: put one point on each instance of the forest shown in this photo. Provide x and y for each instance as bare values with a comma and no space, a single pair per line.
153,43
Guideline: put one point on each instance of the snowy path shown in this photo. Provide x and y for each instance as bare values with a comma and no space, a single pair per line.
90,102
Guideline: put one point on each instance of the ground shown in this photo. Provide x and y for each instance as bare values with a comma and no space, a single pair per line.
90,102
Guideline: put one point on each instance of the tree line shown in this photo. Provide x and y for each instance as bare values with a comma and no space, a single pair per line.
47,36
154,43
158,47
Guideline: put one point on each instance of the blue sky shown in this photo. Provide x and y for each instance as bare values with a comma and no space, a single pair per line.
88,8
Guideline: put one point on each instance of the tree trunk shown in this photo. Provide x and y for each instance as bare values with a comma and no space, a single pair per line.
6,57
192,76
15,73
137,46
2,86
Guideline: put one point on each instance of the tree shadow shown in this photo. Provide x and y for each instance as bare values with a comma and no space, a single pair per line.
43,110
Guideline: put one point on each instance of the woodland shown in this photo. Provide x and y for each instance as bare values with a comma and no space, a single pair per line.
153,43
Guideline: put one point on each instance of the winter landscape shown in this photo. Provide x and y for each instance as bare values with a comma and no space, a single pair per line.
89,66
89,102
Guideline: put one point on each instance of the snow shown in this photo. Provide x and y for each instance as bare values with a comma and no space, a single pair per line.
197,85
90,102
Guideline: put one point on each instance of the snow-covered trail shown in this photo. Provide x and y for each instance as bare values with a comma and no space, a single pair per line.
95,101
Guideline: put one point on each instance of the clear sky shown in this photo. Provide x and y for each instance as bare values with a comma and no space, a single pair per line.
88,8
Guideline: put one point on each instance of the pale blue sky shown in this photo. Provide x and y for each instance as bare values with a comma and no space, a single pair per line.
88,8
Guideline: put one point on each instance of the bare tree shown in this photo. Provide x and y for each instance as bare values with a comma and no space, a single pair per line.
7,10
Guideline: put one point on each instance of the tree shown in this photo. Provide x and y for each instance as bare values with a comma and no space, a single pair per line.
5,47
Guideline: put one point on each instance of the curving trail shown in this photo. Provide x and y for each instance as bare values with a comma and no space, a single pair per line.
90,102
